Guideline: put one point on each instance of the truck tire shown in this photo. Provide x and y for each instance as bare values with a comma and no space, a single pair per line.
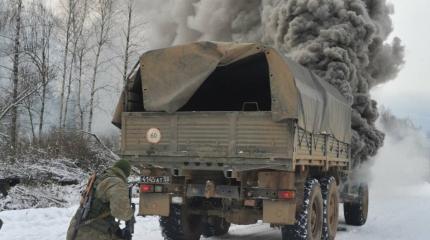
309,220
215,226
331,207
180,225
356,212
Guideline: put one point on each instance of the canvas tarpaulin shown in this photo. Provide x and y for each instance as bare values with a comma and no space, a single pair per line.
168,78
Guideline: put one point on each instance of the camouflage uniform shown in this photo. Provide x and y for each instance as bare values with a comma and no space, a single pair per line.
110,201
3,191
5,185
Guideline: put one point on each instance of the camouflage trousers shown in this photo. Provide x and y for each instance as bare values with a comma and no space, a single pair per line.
91,232
87,233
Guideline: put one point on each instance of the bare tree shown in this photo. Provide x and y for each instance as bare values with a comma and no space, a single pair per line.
77,28
81,52
133,42
70,9
15,74
130,9
102,27
38,49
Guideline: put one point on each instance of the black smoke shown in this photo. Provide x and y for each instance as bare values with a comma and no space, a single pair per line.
345,42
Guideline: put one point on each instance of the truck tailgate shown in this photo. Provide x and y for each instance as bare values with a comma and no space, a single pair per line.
208,134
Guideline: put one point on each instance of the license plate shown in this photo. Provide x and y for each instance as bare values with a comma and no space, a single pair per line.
155,180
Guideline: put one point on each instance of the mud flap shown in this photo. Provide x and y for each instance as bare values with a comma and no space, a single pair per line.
154,204
279,212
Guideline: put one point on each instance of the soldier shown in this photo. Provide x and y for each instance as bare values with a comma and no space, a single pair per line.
5,185
110,201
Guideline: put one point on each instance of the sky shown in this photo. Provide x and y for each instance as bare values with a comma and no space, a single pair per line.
408,96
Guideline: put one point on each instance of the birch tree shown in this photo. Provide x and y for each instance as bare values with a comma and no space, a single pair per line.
15,73
77,28
129,14
133,40
102,27
81,53
70,11
38,49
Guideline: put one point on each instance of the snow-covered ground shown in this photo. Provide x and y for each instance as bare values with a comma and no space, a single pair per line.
403,214
399,203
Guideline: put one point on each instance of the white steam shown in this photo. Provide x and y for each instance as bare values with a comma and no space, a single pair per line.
404,161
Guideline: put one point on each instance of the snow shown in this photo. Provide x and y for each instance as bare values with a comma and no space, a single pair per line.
44,183
402,214
399,202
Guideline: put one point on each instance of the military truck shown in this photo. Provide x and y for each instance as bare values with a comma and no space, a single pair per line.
228,133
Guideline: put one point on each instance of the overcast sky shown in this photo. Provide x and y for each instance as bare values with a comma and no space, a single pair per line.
409,94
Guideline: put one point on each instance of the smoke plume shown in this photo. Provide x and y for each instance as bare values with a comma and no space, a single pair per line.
406,151
342,41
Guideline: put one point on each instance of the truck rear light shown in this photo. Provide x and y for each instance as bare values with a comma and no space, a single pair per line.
286,194
158,189
250,203
144,188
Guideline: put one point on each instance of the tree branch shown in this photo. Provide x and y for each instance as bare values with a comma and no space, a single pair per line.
4,135
24,95
114,156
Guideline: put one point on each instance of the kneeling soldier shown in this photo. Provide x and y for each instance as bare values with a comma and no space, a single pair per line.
109,201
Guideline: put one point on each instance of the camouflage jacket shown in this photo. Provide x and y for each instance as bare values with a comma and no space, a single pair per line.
111,195
110,201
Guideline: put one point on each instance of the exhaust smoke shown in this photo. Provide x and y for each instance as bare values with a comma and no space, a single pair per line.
342,41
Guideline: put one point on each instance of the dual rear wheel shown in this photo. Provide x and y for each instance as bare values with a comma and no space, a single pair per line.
356,212
318,217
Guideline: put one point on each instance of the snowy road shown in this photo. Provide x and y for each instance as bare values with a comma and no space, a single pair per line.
403,214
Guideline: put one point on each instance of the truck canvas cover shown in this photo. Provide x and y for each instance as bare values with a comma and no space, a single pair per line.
168,78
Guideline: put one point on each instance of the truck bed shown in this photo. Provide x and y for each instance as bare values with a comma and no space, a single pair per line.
225,140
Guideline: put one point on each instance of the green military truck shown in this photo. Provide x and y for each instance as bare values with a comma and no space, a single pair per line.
228,133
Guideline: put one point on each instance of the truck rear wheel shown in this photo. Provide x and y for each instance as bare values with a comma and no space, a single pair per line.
309,221
215,226
356,212
180,225
331,207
